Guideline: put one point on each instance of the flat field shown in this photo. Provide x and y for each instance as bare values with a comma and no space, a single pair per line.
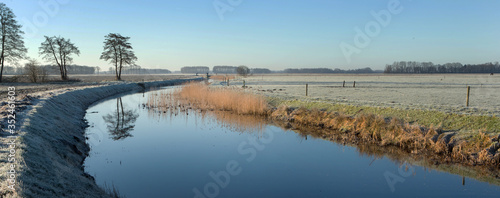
439,92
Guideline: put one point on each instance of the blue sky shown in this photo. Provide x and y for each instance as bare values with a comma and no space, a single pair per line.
276,34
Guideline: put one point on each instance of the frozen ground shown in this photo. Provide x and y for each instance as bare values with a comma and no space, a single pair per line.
442,92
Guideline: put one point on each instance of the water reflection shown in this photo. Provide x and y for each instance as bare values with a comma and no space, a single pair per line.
293,165
121,122
163,106
400,157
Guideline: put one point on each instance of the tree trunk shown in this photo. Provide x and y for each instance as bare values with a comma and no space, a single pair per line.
117,115
123,113
2,58
116,72
65,73
121,62
62,71
120,72
1,70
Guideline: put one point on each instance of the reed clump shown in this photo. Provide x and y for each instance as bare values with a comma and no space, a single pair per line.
480,148
225,99
366,127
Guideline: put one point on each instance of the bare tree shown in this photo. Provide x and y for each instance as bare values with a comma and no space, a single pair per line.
243,70
11,35
59,50
118,51
31,70
34,71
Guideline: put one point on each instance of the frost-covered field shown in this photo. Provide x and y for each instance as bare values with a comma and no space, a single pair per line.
443,92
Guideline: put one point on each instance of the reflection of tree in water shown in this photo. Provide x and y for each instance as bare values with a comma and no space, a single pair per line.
121,122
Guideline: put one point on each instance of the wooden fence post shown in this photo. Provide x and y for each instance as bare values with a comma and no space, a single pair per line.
307,87
343,84
468,93
354,85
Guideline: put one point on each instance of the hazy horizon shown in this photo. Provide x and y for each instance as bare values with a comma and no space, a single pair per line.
270,34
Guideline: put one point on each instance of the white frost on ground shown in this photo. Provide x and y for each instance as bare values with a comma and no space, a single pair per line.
446,93
51,146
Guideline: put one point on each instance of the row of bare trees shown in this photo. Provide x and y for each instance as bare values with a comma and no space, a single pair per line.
117,50
429,67
56,49
51,69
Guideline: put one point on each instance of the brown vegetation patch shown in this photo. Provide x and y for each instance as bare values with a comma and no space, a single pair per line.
222,77
480,149
225,99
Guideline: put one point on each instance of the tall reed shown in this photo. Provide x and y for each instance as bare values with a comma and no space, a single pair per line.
226,99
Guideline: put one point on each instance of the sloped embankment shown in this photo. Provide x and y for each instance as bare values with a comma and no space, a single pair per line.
478,149
52,144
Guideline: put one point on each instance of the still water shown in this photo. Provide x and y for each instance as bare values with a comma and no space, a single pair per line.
146,153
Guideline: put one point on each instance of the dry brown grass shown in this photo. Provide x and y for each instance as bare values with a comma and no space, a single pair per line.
366,127
225,99
166,104
479,148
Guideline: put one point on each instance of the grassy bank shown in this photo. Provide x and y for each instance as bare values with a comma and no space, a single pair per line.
446,121
466,139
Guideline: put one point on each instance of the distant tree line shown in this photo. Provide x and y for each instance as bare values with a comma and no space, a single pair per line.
260,71
195,69
234,70
327,71
80,69
224,69
51,69
354,71
136,69
429,67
